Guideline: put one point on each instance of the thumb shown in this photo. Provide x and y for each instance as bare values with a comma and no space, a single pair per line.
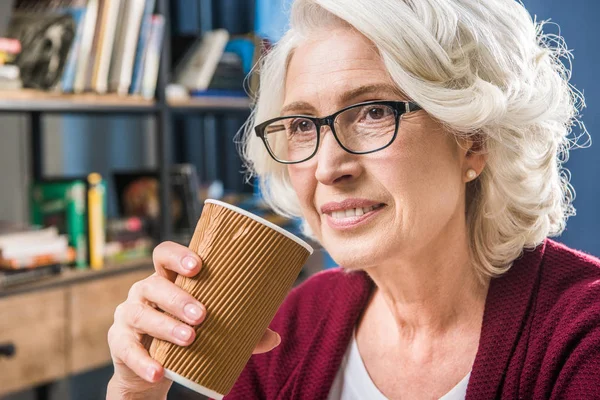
268,342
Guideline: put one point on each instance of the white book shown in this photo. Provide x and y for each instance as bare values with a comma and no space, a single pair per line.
152,61
25,249
199,66
89,27
126,41
28,236
109,25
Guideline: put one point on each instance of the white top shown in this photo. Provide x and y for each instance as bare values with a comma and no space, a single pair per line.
352,381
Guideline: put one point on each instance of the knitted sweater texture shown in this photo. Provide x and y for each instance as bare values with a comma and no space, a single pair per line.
540,337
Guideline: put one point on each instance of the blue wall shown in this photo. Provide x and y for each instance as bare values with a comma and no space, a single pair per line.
578,25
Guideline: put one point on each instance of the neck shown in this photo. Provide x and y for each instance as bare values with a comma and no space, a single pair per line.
430,292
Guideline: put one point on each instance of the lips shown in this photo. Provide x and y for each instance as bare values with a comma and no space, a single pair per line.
350,207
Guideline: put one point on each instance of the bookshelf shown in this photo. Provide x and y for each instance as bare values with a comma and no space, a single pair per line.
35,103
28,100
78,341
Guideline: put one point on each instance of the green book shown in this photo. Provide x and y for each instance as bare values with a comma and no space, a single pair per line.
63,204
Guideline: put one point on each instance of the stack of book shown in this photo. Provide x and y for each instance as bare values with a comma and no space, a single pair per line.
28,253
96,45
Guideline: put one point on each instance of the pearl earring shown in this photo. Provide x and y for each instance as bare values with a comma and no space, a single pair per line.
471,174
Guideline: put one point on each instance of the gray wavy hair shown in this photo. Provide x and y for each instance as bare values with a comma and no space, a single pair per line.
481,67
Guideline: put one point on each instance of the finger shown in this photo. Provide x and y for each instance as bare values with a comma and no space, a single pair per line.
143,319
268,342
127,350
168,297
171,259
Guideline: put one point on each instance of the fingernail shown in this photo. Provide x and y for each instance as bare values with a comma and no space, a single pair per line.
189,263
151,372
192,311
183,333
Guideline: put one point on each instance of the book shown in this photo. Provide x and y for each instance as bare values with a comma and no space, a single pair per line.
63,204
196,69
27,246
206,18
42,259
152,61
96,211
88,77
142,48
106,40
186,16
78,12
235,16
17,234
17,250
126,41
85,49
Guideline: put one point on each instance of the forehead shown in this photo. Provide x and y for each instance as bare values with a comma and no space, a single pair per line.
333,63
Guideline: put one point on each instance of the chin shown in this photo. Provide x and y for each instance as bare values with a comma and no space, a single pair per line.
349,254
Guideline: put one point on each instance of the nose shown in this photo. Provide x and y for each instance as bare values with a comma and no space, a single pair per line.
334,164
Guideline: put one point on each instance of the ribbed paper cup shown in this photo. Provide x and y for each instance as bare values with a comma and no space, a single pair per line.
249,266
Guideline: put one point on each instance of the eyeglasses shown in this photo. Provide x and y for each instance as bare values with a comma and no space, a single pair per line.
359,129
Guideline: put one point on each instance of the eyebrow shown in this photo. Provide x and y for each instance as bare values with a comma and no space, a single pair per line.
348,96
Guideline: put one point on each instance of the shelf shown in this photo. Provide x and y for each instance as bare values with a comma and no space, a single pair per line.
32,100
28,100
73,275
212,103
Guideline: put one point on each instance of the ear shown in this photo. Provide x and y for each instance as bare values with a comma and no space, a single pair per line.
475,152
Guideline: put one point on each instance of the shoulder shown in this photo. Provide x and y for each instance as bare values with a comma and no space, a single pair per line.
567,306
566,324
569,278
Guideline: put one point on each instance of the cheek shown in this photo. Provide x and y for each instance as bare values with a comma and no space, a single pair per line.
302,178
425,174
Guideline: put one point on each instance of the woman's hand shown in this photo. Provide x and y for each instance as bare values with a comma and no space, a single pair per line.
137,321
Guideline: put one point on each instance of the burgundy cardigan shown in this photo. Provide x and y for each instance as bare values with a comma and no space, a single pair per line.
540,336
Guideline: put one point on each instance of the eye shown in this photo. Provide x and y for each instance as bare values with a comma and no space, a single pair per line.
302,126
378,112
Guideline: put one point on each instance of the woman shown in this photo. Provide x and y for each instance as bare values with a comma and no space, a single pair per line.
422,143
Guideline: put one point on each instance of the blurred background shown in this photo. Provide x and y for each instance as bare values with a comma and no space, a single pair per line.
117,119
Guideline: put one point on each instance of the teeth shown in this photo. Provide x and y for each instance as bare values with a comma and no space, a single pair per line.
352,212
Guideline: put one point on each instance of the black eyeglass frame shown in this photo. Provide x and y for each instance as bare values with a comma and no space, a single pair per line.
400,108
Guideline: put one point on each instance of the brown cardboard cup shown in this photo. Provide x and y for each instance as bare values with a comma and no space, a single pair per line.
249,266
